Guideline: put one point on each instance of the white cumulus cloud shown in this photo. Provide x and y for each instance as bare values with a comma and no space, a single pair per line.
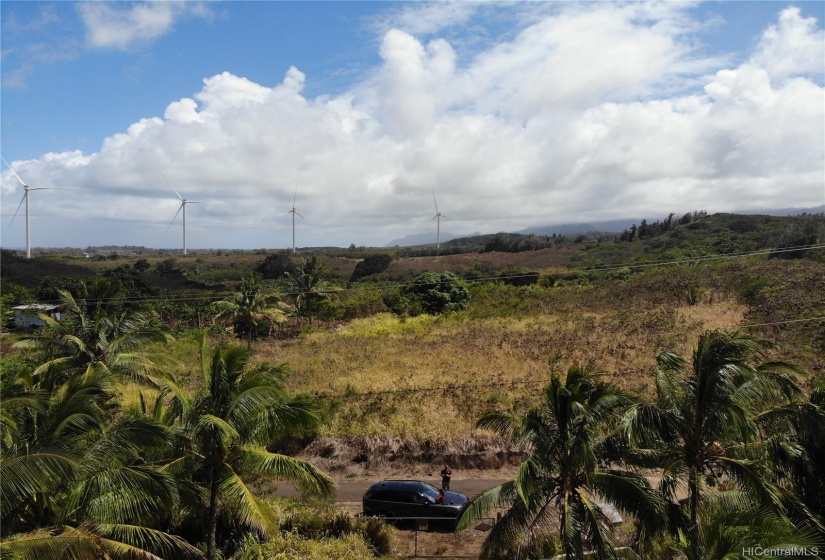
573,118
122,26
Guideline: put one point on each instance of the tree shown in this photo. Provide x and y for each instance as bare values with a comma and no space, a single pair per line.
429,292
100,332
733,525
250,310
240,408
275,266
309,287
372,264
568,438
703,424
73,483
793,435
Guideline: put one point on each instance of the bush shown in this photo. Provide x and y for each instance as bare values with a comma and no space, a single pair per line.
373,264
519,277
329,523
288,546
275,266
429,292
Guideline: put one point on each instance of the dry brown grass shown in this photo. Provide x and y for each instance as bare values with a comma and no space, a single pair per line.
432,377
537,260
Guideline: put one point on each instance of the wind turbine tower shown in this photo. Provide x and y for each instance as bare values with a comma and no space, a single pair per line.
438,216
294,212
25,199
182,207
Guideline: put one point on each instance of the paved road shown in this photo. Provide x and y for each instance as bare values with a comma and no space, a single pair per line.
352,491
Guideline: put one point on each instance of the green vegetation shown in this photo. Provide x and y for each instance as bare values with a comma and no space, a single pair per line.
251,311
712,424
569,438
122,413
429,292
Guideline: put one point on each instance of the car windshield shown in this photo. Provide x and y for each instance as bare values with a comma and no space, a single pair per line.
429,490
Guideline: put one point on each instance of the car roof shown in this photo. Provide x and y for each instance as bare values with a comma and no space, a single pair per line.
399,485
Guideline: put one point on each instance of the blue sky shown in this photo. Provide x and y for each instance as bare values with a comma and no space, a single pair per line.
517,114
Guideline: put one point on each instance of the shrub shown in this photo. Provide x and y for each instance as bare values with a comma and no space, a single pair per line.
275,266
372,264
519,276
429,292
289,546
330,523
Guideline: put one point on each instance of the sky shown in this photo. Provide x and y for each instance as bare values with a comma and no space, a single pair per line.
516,114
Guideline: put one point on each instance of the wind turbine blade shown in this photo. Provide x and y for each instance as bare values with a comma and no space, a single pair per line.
446,217
176,216
295,196
300,215
436,202
14,172
18,208
195,202
170,184
284,214
434,217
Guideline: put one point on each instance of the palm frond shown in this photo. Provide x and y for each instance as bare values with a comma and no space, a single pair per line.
30,473
250,510
480,506
283,467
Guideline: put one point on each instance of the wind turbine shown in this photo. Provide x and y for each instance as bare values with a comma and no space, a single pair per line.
294,212
25,199
183,203
438,215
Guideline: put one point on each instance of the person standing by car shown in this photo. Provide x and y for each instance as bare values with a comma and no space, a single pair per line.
446,473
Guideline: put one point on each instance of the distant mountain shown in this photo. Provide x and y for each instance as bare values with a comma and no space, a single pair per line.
787,211
608,226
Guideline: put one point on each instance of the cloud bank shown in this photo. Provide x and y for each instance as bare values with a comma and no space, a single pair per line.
596,111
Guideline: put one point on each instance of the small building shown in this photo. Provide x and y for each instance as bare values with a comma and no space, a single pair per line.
28,316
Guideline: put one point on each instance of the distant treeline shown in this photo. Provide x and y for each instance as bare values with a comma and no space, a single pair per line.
646,230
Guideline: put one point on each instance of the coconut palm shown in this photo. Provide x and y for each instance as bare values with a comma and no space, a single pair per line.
309,287
567,475
100,331
794,443
241,407
731,525
703,425
249,308
75,485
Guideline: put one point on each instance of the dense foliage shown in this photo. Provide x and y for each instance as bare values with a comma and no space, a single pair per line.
429,292
372,264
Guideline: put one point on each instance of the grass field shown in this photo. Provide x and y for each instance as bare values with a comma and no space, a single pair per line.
430,378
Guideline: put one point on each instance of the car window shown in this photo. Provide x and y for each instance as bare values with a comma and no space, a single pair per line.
423,498
430,492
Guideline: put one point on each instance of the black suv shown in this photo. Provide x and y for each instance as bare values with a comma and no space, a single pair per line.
411,498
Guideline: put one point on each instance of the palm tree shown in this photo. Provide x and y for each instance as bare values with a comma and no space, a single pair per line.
569,438
703,425
249,308
75,485
101,331
241,407
733,525
794,443
308,286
